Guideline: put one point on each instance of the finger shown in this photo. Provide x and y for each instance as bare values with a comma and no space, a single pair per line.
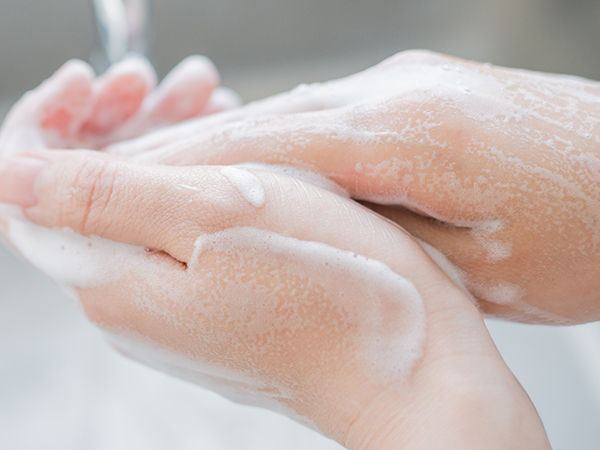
168,208
184,92
222,99
51,114
302,99
59,189
118,95
129,286
456,243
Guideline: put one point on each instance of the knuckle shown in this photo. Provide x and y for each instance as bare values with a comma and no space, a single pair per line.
91,192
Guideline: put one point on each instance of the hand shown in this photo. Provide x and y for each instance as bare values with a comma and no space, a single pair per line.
73,109
274,292
499,169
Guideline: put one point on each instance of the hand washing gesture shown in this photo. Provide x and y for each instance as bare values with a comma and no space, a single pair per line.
498,169
269,289
275,292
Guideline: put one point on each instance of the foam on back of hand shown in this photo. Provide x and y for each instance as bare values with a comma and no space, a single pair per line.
71,259
277,322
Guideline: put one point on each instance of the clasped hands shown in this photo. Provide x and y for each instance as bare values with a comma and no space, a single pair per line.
327,252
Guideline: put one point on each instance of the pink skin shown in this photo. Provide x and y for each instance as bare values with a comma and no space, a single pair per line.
185,92
72,109
118,96
499,169
459,386
300,302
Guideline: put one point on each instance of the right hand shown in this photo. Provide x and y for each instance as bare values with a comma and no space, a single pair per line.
499,169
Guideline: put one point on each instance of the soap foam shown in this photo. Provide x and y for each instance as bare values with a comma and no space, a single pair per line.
499,292
307,176
71,259
247,184
457,276
521,109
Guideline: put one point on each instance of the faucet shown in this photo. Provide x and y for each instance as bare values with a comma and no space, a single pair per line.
123,27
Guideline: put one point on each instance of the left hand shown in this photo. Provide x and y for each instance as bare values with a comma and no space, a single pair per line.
274,292
75,109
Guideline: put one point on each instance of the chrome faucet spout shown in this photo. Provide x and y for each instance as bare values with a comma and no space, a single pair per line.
123,27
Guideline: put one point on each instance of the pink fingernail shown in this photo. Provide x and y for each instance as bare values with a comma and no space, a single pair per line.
18,178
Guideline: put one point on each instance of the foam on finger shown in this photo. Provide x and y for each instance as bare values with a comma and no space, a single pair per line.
51,114
72,260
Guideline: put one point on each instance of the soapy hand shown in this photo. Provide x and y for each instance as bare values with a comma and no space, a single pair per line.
75,109
499,169
272,291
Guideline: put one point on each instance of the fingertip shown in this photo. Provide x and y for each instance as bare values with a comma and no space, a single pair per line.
64,101
18,180
72,72
184,92
74,68
198,66
137,65
70,85
193,71
222,99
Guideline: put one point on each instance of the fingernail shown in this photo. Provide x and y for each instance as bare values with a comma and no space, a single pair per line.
18,179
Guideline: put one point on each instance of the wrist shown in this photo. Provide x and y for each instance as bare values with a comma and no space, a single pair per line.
460,418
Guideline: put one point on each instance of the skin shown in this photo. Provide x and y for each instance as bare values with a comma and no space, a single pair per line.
459,385
76,109
515,207
496,168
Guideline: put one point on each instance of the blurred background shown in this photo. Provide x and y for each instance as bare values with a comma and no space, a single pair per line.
62,388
